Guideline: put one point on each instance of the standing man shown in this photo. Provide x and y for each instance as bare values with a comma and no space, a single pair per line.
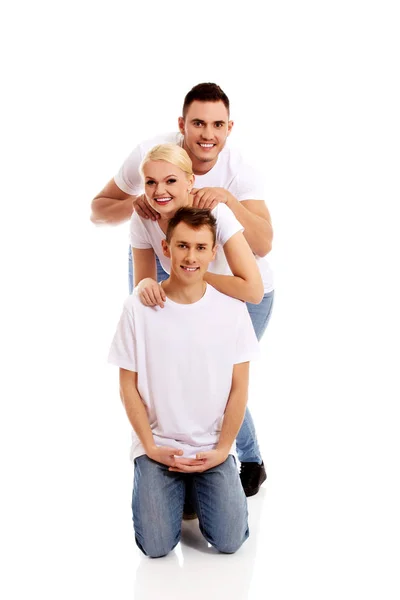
221,176
184,380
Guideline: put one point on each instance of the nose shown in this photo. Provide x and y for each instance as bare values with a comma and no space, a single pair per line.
160,188
207,132
191,255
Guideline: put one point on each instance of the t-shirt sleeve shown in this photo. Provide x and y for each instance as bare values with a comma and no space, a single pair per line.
247,347
139,236
128,178
227,223
123,348
248,184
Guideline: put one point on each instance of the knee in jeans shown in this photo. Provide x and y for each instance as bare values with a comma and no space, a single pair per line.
158,553
156,550
229,547
231,543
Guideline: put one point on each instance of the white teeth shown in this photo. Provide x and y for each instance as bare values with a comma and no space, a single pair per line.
206,145
190,268
163,199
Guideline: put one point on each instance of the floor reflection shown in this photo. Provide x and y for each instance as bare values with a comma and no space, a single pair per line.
197,570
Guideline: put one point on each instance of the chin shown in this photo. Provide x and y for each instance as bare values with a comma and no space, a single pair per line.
166,211
192,278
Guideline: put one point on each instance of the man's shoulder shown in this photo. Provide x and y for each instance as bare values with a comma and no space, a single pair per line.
234,165
230,156
242,164
130,303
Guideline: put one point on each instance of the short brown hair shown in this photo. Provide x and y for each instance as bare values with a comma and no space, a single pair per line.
205,92
195,218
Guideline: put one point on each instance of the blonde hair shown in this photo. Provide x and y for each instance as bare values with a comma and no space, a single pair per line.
171,153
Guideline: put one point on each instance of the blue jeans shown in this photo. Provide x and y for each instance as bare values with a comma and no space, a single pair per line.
246,442
157,506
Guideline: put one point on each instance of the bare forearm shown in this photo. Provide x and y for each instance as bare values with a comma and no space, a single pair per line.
236,287
257,230
136,413
111,211
233,419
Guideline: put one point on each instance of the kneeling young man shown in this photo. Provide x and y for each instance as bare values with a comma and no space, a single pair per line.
184,381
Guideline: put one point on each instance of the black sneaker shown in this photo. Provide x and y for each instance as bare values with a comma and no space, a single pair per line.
188,509
252,475
188,512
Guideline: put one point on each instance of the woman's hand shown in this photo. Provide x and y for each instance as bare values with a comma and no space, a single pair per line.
151,293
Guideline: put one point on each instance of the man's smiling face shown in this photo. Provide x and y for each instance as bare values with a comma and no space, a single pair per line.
191,251
205,128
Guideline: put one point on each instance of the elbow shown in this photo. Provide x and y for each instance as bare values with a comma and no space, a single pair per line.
256,293
94,216
264,249
266,246
95,220
269,244
99,214
257,298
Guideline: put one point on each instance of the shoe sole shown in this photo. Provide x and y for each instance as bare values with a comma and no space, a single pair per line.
254,492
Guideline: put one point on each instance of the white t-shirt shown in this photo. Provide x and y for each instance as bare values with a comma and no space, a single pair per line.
230,172
146,233
184,356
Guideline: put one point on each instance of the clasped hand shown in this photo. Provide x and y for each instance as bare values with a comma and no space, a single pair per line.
172,458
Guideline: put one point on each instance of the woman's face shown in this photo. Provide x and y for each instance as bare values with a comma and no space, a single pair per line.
166,187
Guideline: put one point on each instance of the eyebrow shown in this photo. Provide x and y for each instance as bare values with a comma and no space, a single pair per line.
201,121
188,243
167,177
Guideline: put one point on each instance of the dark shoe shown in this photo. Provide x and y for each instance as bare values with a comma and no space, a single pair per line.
188,509
189,516
188,512
252,475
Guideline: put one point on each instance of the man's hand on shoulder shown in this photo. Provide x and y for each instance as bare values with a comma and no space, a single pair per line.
207,460
209,197
143,208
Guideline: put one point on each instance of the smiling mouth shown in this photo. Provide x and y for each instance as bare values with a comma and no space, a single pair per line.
163,200
189,269
206,146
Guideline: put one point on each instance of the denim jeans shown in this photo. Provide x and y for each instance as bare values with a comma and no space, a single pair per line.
246,442
157,506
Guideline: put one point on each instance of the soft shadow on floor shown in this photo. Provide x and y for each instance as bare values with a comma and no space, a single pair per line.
192,537
196,570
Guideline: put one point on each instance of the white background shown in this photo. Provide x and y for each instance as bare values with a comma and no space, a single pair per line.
314,89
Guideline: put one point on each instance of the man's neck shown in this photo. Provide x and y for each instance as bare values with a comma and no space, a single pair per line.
200,167
183,294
